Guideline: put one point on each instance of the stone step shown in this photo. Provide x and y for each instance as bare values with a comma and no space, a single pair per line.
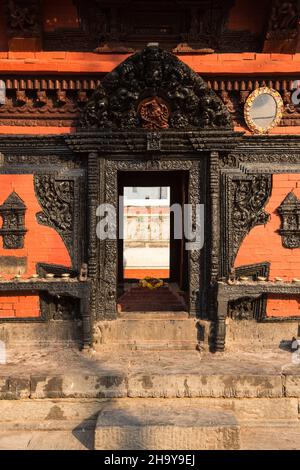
270,435
151,308
155,315
144,295
71,423
150,346
158,330
163,299
136,426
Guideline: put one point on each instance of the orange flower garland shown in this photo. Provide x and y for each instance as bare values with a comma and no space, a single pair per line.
151,282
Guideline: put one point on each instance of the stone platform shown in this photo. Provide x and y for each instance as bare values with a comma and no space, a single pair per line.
56,398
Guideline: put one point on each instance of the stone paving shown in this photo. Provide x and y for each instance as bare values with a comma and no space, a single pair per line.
61,359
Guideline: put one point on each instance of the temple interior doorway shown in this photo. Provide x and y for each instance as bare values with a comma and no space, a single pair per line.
150,247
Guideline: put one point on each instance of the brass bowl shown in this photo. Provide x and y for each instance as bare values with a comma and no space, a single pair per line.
50,276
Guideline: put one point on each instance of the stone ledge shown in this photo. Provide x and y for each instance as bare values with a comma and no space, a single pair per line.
145,385
79,386
198,385
62,410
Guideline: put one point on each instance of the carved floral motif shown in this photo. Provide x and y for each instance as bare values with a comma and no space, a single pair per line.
57,200
249,199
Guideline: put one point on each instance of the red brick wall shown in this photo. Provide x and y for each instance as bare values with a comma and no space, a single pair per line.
263,243
42,244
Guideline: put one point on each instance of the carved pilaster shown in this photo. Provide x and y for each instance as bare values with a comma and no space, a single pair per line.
215,213
92,236
214,226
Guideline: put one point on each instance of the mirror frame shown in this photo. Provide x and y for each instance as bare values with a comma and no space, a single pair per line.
249,103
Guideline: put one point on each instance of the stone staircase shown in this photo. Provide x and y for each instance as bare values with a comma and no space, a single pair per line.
139,299
153,331
145,386
144,425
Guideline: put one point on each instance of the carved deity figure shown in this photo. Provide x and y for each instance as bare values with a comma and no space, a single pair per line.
154,113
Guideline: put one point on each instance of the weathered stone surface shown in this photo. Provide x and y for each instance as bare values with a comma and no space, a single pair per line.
47,440
14,388
198,385
271,436
43,386
292,385
30,335
258,409
79,385
69,373
38,411
133,426
151,332
81,409
250,335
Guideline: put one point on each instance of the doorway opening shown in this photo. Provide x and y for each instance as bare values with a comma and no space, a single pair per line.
149,248
146,232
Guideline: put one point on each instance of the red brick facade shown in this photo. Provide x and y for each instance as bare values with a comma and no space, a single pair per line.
42,244
24,55
264,243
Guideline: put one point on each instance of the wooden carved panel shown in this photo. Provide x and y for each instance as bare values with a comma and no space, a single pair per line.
154,89
23,18
61,200
289,211
245,197
13,228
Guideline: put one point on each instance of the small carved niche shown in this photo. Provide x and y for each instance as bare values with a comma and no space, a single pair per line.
289,211
13,228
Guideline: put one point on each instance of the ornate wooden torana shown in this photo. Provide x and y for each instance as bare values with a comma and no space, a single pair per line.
153,113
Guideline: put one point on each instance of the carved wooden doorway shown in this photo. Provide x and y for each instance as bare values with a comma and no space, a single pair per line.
153,113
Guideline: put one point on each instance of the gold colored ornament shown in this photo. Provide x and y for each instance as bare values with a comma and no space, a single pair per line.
151,283
250,102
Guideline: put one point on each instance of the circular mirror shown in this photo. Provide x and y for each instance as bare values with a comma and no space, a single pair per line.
263,110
